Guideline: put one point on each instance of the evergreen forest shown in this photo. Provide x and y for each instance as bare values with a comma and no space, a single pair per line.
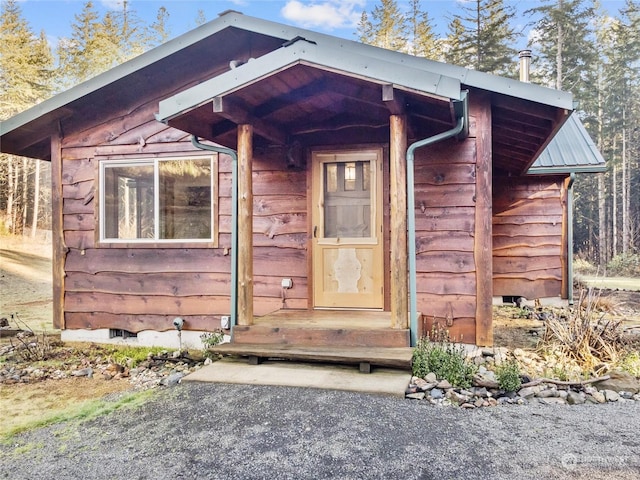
576,46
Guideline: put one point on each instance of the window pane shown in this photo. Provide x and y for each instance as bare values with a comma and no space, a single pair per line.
185,199
128,202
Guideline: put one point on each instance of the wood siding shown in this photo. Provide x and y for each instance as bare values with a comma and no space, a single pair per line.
445,209
144,286
528,230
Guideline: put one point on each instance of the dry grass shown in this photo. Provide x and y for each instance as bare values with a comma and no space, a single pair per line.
586,335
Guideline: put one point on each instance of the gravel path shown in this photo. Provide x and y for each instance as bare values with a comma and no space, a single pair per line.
213,431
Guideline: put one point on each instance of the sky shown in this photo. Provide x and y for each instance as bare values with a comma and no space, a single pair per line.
335,17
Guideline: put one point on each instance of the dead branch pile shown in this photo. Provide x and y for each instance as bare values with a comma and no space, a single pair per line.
585,335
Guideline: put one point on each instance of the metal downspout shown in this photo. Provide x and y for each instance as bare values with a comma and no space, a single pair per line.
461,127
572,179
234,221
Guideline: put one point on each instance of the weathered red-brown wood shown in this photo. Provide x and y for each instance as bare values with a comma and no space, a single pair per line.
445,174
398,192
528,237
438,196
444,283
245,225
445,241
138,323
459,262
59,249
297,335
462,329
483,213
147,260
443,219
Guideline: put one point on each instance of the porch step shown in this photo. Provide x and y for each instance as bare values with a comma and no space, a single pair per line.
365,357
336,337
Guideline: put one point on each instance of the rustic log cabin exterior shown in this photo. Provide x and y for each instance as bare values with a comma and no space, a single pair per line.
283,180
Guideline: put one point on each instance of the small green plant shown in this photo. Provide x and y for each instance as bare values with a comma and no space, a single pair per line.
631,363
508,375
211,339
132,356
447,360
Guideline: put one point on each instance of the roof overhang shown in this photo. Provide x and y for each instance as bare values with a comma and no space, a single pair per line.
303,89
571,151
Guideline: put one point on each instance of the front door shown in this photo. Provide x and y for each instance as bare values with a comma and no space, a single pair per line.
347,230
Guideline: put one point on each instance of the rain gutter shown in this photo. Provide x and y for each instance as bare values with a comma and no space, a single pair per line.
234,221
461,130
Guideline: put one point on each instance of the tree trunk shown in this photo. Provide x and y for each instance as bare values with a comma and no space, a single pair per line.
559,52
602,211
625,187
25,199
9,212
36,200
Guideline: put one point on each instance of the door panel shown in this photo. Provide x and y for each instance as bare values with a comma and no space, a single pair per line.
347,224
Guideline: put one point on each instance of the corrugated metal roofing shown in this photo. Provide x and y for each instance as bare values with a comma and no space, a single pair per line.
571,150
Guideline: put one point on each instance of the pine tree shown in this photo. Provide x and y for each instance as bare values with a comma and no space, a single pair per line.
25,79
483,38
457,51
386,29
563,44
159,31
424,40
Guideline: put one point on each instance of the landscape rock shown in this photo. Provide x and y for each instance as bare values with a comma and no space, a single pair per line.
436,393
431,377
619,381
611,395
416,396
576,398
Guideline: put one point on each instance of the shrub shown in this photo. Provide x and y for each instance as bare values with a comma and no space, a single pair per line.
211,339
445,359
583,266
624,265
508,375
585,336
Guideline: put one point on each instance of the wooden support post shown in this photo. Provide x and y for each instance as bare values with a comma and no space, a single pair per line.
483,246
59,252
245,225
398,193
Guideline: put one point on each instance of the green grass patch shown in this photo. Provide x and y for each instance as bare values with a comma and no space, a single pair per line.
81,412
132,356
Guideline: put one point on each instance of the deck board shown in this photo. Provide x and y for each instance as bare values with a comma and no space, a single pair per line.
399,357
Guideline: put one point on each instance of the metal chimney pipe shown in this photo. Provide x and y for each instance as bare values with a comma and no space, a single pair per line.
525,65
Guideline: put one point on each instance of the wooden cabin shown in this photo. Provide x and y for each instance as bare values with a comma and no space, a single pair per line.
299,189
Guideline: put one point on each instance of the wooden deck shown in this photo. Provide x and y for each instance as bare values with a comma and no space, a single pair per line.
364,357
344,328
350,337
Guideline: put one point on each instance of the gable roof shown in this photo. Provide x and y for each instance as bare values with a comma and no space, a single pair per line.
571,150
199,53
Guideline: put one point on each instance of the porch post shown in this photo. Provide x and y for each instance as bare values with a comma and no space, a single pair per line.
245,225
398,191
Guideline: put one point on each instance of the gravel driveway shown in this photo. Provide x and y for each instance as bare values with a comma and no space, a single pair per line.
211,431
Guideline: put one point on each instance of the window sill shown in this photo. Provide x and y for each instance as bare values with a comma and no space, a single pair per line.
167,245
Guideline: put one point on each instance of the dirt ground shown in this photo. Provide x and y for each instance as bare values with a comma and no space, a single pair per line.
26,289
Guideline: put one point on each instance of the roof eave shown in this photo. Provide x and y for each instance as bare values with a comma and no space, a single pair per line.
425,83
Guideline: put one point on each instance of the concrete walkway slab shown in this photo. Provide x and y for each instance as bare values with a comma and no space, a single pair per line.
329,377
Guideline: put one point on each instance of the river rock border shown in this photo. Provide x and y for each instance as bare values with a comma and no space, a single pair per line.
616,386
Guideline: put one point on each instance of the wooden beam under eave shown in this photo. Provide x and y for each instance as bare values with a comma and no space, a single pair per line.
59,248
398,194
238,113
245,225
483,245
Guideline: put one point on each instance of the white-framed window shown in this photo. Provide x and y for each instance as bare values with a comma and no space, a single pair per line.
158,200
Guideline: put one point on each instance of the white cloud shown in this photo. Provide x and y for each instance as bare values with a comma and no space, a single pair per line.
327,14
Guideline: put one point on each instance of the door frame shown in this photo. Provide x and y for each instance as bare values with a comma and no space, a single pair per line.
376,154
